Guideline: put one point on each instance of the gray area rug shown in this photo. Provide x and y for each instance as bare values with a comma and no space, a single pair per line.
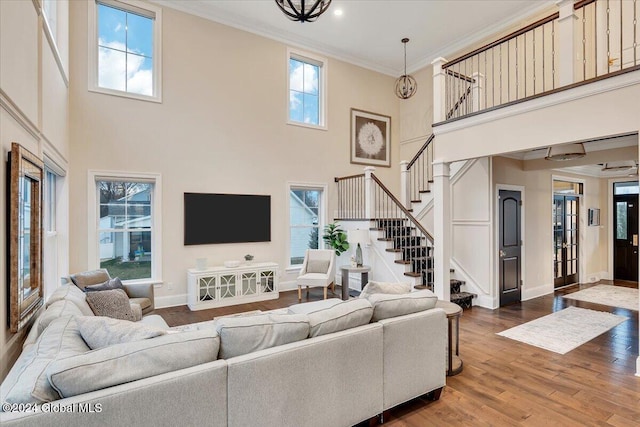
564,330
614,296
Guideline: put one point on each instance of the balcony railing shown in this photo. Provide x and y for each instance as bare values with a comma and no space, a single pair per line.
591,39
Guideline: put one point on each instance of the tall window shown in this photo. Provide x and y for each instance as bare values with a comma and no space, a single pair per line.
126,220
50,10
306,90
50,199
305,221
125,48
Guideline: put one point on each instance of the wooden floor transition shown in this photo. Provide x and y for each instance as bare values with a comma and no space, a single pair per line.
507,383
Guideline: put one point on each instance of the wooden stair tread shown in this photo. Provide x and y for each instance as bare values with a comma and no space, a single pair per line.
412,274
424,191
393,250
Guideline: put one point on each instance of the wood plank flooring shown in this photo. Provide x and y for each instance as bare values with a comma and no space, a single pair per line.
507,383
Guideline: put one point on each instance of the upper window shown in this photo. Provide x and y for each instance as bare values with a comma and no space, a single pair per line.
307,90
630,187
125,48
125,240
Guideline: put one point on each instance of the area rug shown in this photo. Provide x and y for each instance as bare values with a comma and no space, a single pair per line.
614,296
564,330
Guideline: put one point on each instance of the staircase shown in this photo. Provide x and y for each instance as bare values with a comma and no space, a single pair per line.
414,252
365,197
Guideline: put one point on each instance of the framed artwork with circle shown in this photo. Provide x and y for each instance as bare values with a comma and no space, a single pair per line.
370,138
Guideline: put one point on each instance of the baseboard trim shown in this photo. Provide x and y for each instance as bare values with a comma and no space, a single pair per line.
538,291
171,301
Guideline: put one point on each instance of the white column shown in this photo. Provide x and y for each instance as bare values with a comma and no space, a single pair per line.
565,48
369,199
439,90
441,230
405,197
477,92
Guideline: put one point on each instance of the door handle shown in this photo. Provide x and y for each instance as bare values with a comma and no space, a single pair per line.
502,253
635,240
564,246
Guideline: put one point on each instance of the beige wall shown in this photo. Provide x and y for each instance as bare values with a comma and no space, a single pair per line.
416,115
33,112
538,251
220,128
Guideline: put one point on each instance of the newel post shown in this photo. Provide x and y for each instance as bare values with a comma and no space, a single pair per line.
439,90
441,230
369,207
566,54
405,197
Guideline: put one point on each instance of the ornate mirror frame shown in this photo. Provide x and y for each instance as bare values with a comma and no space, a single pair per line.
25,236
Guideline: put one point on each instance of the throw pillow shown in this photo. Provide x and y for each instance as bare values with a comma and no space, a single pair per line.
98,331
385,288
113,303
114,283
317,266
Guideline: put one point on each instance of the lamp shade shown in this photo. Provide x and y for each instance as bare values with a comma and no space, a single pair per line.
565,152
358,236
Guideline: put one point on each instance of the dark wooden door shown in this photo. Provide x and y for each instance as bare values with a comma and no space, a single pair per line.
625,237
565,240
510,246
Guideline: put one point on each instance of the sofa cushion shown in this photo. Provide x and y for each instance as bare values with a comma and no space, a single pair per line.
71,293
246,334
123,363
62,308
317,266
143,302
392,305
107,285
326,318
113,303
27,382
385,288
99,331
155,321
88,278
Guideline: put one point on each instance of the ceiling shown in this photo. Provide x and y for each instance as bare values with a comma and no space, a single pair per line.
368,32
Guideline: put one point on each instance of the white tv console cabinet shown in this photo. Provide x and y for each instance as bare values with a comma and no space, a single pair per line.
222,286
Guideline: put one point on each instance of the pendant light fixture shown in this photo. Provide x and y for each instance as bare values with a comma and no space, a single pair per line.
406,85
303,11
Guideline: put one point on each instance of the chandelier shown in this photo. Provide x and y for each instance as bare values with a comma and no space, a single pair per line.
406,85
301,10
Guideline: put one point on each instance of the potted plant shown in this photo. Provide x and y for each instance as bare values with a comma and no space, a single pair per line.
336,238
248,258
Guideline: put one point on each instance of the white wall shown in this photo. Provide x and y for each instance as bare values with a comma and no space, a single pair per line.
538,238
221,128
33,112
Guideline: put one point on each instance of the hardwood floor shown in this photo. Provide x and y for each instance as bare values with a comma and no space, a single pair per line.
507,383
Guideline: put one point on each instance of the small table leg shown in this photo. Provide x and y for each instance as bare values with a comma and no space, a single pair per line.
345,285
364,279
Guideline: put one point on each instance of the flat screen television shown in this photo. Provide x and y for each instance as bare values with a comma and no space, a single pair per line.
226,218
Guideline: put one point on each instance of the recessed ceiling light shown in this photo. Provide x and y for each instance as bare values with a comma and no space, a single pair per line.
337,12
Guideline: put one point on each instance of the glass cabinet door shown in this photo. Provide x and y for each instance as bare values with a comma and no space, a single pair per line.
227,286
267,281
249,284
207,288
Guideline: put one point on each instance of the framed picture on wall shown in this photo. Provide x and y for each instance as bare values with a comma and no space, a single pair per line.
370,138
594,217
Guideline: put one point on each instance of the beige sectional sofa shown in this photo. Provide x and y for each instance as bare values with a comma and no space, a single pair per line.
351,365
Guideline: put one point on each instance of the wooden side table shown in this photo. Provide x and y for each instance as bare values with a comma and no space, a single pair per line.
364,277
453,311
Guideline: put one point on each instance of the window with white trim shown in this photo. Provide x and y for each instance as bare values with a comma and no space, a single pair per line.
125,48
125,238
306,207
50,12
306,89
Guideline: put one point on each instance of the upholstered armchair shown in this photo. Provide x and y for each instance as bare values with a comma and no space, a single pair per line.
318,269
138,293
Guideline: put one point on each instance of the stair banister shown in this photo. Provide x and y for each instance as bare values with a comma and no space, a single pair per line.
405,195
369,207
